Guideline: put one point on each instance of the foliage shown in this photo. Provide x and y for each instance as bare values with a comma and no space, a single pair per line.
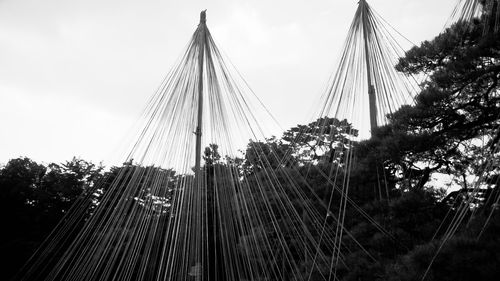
460,259
455,117
34,197
324,140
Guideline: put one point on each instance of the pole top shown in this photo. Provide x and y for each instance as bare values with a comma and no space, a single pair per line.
203,16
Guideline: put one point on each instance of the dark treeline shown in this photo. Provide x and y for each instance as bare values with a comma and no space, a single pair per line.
451,131
34,197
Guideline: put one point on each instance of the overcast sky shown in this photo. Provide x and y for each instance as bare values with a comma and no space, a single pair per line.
75,74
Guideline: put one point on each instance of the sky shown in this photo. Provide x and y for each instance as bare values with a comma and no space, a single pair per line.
75,74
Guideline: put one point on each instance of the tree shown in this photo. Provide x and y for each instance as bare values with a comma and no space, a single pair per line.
455,115
33,199
273,153
324,140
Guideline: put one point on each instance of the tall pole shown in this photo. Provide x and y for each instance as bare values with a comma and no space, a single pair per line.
201,55
371,89
201,41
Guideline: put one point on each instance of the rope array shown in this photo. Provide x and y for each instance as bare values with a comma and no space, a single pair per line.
159,217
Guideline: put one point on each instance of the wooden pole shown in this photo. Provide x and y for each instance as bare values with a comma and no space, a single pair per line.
371,89
201,56
202,44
